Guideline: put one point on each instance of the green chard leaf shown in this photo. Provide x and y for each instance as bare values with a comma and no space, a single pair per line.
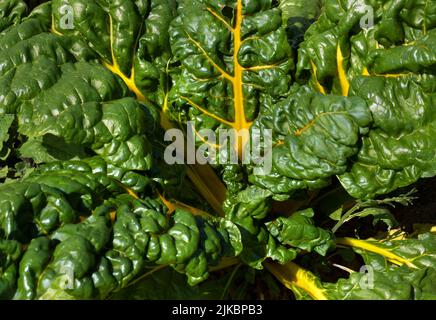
87,235
234,57
400,148
414,253
248,208
395,269
130,38
11,12
5,124
391,66
90,210
300,231
72,91
10,252
395,284
313,137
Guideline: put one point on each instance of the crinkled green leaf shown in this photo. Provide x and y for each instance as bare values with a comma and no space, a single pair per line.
5,124
233,56
50,148
417,253
93,235
314,138
414,279
399,149
300,231
305,9
247,209
91,113
11,12
84,108
10,252
394,284
390,65
129,37
395,269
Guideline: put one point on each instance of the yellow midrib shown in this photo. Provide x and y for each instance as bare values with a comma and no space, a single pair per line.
173,205
113,216
240,123
365,72
115,68
193,174
345,84
368,246
318,85
343,80
53,27
311,123
342,74
292,274
129,81
203,177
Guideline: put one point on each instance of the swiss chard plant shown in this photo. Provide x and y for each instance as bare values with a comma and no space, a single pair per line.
90,207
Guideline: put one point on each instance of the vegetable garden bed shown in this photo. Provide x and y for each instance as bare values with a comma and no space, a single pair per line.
105,105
